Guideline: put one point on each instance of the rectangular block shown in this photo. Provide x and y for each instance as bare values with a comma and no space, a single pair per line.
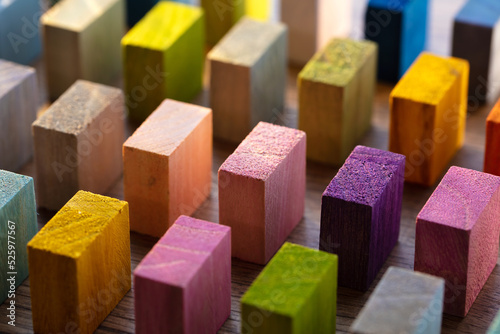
168,166
79,264
262,10
163,57
495,325
18,107
428,112
247,77
221,15
295,293
137,9
361,214
262,190
492,148
336,92
403,302
78,143
183,285
457,235
81,40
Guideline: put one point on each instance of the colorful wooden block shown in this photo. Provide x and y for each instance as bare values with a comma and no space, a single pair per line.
18,225
183,285
18,107
457,235
78,143
428,112
403,302
295,293
399,28
137,9
79,264
263,10
221,15
336,92
82,41
495,326
492,150
361,213
247,77
168,166
262,190
163,58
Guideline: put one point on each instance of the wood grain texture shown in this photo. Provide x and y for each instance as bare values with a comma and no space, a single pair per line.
221,15
492,146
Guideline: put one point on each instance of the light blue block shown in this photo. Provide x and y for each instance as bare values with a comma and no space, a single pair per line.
495,325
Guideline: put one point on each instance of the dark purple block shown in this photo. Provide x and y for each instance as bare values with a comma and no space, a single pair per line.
361,213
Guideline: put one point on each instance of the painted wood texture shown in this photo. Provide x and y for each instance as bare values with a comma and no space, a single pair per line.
247,78
295,293
403,302
457,235
163,58
492,148
167,166
495,325
428,112
361,213
18,107
221,15
78,143
183,285
336,91
137,9
81,259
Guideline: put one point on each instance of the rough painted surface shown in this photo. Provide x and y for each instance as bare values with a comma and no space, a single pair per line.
183,285
495,325
220,17
457,235
492,150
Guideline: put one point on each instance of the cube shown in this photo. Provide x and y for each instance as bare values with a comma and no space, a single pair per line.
492,150
495,325
221,15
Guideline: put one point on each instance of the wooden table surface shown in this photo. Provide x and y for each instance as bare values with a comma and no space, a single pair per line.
121,320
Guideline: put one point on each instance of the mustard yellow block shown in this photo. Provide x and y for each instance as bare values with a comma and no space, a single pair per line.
258,9
79,264
428,111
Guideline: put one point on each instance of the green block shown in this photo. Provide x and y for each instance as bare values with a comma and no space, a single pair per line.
295,293
495,325
221,16
163,57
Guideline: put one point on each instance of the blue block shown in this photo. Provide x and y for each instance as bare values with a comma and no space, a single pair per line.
136,9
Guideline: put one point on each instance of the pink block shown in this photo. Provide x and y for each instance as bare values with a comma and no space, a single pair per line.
457,235
262,190
183,285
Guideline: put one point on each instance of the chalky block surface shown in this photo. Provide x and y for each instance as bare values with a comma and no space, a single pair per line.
495,326
221,15
492,150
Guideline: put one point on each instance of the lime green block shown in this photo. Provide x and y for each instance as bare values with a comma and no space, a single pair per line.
221,15
258,9
295,293
163,57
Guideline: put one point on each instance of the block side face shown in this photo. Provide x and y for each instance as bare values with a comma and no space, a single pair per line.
493,87
485,13
221,260
218,22
13,75
273,323
414,33
338,25
492,149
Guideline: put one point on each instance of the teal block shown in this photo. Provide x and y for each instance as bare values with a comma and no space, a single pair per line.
495,325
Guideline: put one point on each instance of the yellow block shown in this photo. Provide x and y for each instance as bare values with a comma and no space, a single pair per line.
79,264
258,9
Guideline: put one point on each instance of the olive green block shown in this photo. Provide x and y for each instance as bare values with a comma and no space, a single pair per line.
221,15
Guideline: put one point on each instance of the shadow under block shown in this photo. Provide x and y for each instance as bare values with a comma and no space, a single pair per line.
78,143
492,150
295,293
495,325
428,109
403,302
18,224
399,28
336,91
183,285
163,58
18,107
168,166
361,214
137,9
457,235
82,41
262,190
247,77
221,16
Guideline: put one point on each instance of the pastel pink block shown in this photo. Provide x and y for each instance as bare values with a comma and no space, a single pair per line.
183,285
457,235
262,190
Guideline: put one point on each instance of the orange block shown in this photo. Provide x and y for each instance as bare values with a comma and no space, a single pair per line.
492,153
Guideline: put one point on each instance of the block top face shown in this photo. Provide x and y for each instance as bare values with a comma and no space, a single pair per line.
480,12
77,224
494,115
11,75
262,151
338,62
460,198
247,42
10,185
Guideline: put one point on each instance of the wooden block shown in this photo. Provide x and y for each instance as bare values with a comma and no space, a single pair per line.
336,92
428,112
457,235
81,259
295,293
82,41
262,190
137,9
183,285
495,326
163,58
492,151
361,214
168,166
403,302
263,10
18,225
247,77
221,15
476,37
18,107
78,143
